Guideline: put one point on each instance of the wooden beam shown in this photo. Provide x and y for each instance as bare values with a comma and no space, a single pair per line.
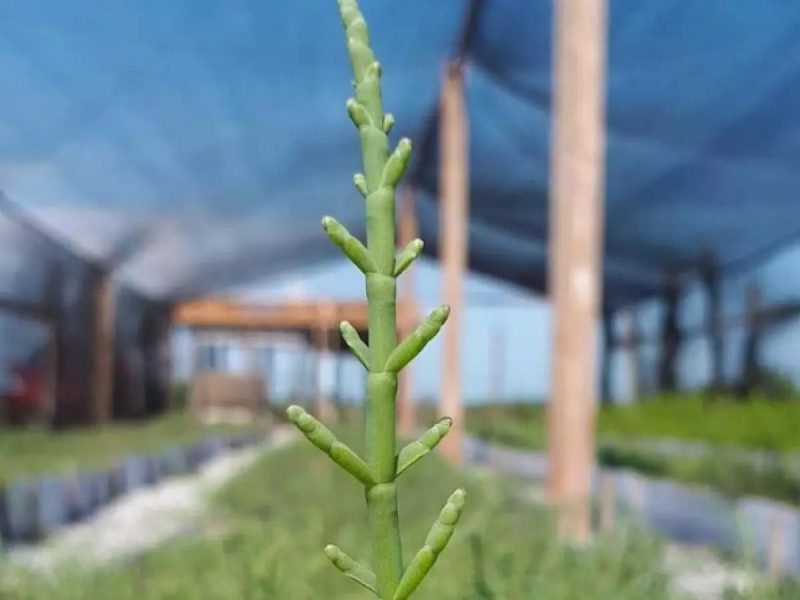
576,213
217,313
407,231
103,351
454,206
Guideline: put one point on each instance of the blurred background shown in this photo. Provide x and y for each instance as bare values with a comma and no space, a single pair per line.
166,291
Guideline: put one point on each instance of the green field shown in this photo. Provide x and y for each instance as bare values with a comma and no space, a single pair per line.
35,450
758,424
729,436
264,536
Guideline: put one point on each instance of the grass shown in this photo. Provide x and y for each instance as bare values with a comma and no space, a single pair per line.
34,450
264,540
266,536
757,423
722,428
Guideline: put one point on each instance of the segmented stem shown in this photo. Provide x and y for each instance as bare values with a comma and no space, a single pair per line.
383,358
436,541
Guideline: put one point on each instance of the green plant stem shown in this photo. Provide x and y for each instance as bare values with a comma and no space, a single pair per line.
383,357
367,113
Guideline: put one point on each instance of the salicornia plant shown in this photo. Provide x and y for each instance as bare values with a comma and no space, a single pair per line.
383,358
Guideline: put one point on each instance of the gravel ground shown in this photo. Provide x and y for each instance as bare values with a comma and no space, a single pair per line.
142,520
700,574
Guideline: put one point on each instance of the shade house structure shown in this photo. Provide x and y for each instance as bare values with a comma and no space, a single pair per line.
156,153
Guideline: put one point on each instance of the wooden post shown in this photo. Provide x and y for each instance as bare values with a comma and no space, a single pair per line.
297,394
776,547
609,345
327,317
51,358
269,372
576,250
608,501
53,345
197,352
407,231
670,335
632,341
454,206
103,348
710,276
751,362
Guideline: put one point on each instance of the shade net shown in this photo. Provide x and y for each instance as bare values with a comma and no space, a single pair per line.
194,144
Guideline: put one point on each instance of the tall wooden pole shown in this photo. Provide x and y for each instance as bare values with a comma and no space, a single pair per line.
51,366
751,363
576,212
103,348
711,281
454,182
407,231
670,335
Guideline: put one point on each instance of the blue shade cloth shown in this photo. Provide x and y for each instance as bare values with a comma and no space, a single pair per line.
203,140
197,143
207,138
702,144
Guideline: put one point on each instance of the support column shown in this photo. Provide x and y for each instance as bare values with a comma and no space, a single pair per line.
751,360
324,408
409,316
51,367
714,324
197,354
609,345
670,336
632,339
269,372
297,394
454,205
576,250
103,351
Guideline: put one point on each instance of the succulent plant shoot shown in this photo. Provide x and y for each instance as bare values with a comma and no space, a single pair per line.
383,357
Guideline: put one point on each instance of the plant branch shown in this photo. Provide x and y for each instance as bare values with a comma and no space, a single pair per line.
437,539
349,244
352,569
355,343
323,438
407,256
420,447
414,343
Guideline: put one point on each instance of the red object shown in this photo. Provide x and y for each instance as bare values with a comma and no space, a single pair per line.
24,399
31,386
